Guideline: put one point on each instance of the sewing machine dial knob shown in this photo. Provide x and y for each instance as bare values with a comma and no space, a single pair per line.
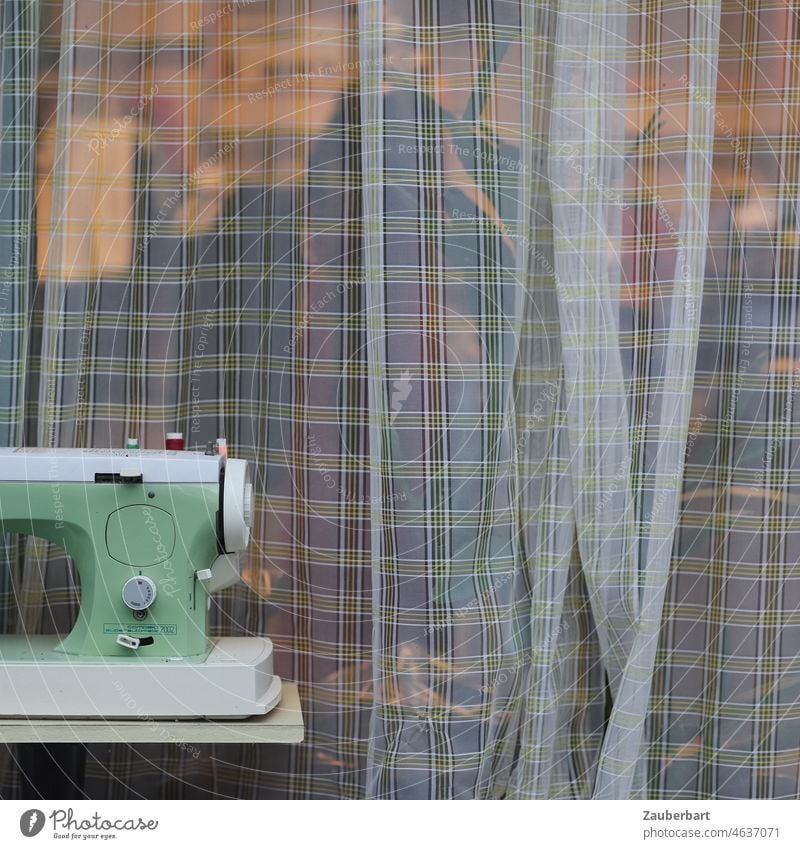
139,593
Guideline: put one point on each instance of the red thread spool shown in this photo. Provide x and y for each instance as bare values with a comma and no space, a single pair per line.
174,442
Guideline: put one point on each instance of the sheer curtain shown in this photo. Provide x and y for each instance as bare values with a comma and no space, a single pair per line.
498,299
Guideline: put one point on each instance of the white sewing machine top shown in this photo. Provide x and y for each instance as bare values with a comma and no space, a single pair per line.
82,464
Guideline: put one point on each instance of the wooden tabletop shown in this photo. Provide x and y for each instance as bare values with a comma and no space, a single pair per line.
284,724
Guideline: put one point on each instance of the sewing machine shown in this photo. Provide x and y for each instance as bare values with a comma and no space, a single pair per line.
152,535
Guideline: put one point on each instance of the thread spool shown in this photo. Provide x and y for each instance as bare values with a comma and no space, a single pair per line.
174,441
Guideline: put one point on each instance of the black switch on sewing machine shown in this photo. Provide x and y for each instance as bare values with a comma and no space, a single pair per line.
115,477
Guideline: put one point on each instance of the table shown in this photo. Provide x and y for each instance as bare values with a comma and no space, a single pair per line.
55,771
284,724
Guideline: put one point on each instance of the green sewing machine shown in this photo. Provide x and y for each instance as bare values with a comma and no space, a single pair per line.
152,534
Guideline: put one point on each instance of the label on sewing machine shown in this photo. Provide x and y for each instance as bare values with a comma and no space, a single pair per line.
138,628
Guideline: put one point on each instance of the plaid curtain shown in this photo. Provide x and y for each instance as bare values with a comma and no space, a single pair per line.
498,299
19,30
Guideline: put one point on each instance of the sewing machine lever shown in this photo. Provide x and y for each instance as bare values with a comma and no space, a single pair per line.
134,642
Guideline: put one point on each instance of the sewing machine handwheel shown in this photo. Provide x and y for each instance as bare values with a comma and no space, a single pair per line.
237,505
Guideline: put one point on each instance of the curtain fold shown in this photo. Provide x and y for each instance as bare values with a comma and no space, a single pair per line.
725,720
586,179
19,30
469,285
623,526
18,54
627,436
442,205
